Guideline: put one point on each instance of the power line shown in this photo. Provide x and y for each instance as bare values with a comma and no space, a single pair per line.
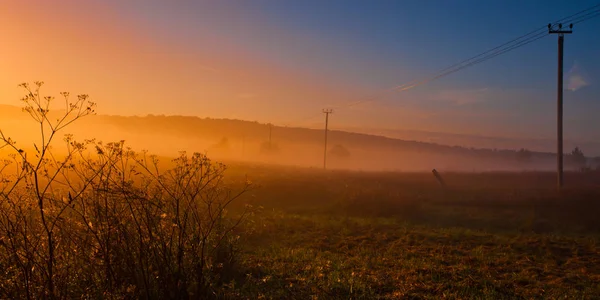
573,19
302,119
513,47
538,30
515,43
446,71
535,37
592,15
450,70
525,39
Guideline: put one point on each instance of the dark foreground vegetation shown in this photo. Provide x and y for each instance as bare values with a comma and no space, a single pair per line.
101,221
374,235
93,220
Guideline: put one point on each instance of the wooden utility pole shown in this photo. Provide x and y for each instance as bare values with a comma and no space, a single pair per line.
270,131
559,107
243,145
326,112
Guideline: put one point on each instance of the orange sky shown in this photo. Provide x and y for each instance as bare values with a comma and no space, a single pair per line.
131,66
215,59
127,71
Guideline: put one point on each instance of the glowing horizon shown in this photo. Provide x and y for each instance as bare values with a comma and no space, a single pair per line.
265,62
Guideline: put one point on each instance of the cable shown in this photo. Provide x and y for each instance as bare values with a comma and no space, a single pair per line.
513,47
513,44
449,70
461,65
301,120
578,13
593,15
520,44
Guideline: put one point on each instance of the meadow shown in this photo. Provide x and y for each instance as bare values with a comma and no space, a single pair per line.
96,220
355,235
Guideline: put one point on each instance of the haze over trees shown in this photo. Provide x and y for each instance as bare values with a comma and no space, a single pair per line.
299,150
524,155
235,140
578,158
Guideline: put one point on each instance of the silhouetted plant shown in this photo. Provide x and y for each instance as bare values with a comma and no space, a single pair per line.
32,212
102,221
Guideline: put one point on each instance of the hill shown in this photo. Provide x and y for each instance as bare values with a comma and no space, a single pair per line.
229,139
245,136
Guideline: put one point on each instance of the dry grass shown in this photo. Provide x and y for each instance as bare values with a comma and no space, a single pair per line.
352,235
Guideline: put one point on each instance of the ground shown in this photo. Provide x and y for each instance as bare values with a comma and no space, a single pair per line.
353,235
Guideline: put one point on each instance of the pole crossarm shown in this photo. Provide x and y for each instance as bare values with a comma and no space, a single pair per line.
551,29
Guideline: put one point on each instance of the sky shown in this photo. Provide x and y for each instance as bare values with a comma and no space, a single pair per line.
284,61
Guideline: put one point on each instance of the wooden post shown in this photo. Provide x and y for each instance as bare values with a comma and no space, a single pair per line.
439,178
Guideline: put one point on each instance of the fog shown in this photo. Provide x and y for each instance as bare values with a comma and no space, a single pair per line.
234,141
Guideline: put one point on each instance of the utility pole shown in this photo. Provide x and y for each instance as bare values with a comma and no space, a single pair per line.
559,117
243,145
326,112
270,131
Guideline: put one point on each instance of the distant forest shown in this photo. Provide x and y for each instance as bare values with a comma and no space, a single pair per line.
218,129
227,138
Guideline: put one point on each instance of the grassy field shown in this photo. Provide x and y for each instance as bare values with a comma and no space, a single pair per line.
109,223
352,235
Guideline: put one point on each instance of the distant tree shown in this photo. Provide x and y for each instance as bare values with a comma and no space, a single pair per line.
524,155
597,163
339,151
578,158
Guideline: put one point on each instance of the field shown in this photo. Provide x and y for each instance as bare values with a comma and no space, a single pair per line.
103,221
352,235
106,222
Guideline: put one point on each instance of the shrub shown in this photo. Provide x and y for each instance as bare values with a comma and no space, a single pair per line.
577,158
339,151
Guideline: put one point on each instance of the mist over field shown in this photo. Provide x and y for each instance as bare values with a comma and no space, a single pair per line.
299,150
244,141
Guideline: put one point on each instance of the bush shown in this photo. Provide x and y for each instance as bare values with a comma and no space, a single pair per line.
102,221
577,158
339,151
